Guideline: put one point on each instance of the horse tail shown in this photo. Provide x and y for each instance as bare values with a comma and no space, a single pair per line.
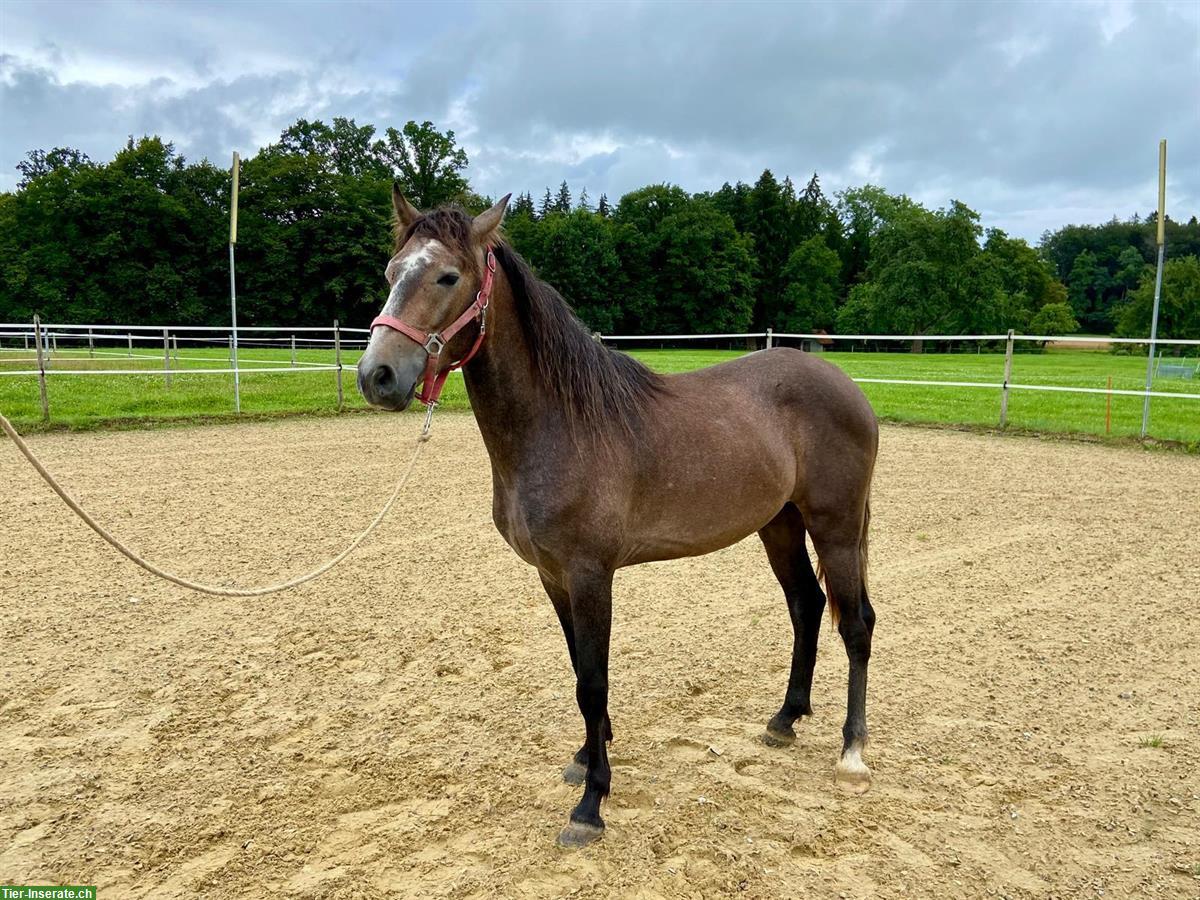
835,611
862,545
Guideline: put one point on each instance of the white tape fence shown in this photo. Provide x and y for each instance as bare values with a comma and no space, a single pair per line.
44,346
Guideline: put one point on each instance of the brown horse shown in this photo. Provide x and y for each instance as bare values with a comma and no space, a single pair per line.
599,463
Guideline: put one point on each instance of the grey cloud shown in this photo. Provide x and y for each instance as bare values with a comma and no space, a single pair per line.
1036,114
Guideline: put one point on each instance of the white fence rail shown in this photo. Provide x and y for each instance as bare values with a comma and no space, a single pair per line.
85,338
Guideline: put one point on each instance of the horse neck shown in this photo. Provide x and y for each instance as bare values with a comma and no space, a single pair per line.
502,381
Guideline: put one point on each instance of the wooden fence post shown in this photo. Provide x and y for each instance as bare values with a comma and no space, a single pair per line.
167,358
337,352
37,332
1008,351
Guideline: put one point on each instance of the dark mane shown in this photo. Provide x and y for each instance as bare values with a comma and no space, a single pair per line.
595,386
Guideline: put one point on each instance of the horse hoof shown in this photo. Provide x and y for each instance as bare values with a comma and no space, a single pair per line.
773,737
852,774
575,773
579,834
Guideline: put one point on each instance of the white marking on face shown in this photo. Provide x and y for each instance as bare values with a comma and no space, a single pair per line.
403,268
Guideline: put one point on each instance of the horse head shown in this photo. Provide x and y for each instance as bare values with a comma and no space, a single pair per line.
439,283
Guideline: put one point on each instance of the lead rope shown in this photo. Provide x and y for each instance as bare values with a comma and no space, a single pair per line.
215,590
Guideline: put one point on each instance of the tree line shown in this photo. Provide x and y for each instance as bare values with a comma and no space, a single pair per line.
141,239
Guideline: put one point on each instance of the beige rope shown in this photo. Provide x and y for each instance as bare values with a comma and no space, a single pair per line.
193,585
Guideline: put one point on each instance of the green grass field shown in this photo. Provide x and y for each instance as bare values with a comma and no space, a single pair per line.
92,401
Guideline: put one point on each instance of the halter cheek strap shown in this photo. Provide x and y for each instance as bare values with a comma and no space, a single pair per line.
434,341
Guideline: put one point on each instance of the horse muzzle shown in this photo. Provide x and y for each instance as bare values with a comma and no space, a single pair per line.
388,386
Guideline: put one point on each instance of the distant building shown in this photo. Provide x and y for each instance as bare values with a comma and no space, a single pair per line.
816,345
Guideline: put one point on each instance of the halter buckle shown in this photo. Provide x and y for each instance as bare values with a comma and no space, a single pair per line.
434,345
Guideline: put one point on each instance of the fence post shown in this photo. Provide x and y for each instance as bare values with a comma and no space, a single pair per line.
91,345
175,348
337,352
37,332
1008,350
231,351
167,358
1108,408
54,342
770,337
293,351
26,337
129,338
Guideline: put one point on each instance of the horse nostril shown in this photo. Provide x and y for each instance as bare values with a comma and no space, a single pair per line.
383,378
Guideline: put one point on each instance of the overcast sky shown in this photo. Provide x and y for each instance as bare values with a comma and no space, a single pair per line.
1036,114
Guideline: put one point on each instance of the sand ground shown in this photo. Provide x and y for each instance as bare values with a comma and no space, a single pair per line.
398,728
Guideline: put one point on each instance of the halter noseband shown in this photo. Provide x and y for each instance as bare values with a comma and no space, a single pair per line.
435,341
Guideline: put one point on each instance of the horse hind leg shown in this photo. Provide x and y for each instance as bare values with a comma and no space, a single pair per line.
783,538
843,565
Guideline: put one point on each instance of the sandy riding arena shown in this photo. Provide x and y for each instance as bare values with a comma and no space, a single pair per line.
398,728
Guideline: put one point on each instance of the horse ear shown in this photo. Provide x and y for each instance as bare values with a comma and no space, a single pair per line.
406,213
487,222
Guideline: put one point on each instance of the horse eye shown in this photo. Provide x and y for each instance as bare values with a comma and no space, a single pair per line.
449,279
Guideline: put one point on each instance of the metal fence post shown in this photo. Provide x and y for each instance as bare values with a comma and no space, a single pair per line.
1008,350
231,351
337,352
91,345
54,342
26,337
293,351
175,349
129,338
167,358
770,337
37,332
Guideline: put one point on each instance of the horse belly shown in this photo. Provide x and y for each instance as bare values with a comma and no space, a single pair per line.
685,518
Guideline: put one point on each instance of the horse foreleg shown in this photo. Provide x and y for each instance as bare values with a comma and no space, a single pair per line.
590,592
576,769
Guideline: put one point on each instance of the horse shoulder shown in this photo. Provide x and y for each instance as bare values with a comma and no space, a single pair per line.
550,511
